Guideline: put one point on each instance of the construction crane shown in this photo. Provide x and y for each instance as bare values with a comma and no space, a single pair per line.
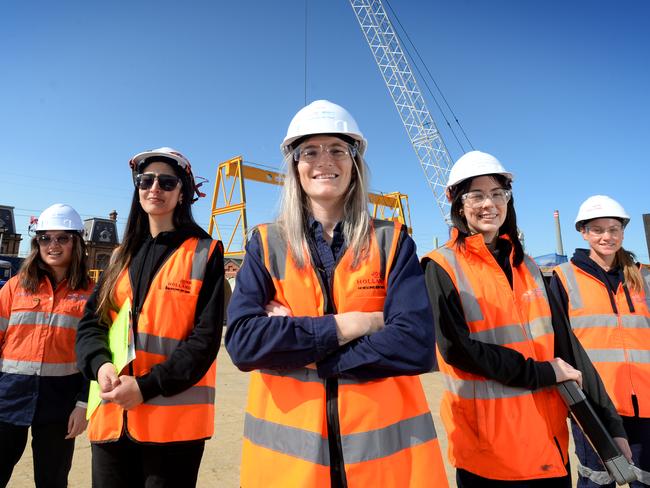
405,92
229,197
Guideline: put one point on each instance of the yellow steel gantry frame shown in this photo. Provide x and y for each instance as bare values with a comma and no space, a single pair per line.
229,196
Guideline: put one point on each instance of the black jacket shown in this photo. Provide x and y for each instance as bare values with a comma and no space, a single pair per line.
193,357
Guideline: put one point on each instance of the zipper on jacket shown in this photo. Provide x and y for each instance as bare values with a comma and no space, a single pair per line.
337,465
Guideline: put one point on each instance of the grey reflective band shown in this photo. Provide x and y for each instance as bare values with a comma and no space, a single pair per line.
4,323
641,356
534,271
36,368
597,477
540,327
360,447
595,320
277,249
470,304
635,321
196,395
641,475
575,299
164,346
44,318
606,355
200,259
384,233
381,443
484,389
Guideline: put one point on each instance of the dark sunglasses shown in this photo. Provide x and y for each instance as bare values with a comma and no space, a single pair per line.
45,240
145,181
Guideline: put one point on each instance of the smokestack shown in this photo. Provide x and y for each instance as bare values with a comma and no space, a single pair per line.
558,234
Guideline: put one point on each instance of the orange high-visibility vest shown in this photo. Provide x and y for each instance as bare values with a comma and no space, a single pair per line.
498,431
166,319
618,343
386,430
37,336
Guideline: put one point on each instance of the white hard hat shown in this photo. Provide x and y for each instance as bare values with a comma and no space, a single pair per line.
59,217
323,117
475,163
599,206
167,152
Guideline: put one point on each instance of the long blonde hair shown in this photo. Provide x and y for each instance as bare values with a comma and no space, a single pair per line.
295,211
627,261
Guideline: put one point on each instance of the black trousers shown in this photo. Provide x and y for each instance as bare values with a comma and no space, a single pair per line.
465,479
129,464
52,453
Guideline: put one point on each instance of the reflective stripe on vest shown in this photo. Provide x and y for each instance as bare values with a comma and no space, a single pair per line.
4,323
286,437
165,321
37,368
43,318
485,389
357,448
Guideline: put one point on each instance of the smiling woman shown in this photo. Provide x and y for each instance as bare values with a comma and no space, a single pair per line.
151,427
40,385
330,314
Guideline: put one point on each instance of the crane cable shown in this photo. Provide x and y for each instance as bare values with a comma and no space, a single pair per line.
432,79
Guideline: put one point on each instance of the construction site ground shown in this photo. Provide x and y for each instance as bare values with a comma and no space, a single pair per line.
220,465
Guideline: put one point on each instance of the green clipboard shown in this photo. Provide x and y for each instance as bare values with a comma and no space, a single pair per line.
120,342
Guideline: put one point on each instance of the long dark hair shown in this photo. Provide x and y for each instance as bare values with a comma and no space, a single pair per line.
509,226
34,269
136,232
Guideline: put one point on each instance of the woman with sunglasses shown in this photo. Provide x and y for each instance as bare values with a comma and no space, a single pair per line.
330,314
502,343
605,295
156,413
40,385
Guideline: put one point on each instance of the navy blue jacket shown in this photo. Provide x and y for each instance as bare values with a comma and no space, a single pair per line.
404,347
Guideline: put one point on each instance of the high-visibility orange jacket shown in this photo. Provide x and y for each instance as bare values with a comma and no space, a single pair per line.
494,430
385,429
617,340
37,340
166,319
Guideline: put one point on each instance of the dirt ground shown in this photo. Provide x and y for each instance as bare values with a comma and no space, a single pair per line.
220,465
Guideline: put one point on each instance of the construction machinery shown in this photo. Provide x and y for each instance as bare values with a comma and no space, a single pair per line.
229,199
402,85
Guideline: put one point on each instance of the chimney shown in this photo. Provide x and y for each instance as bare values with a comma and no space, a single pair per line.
113,216
558,234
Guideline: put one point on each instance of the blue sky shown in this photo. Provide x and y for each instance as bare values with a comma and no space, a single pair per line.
557,90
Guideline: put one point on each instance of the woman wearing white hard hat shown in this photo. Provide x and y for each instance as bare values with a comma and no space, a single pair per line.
157,412
605,294
40,385
330,314
501,342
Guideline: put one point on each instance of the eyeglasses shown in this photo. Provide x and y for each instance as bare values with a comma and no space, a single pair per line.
613,231
144,181
44,240
313,152
477,198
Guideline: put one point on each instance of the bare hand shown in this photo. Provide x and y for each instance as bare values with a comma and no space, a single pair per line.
107,377
276,309
126,394
77,422
623,445
352,325
565,372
